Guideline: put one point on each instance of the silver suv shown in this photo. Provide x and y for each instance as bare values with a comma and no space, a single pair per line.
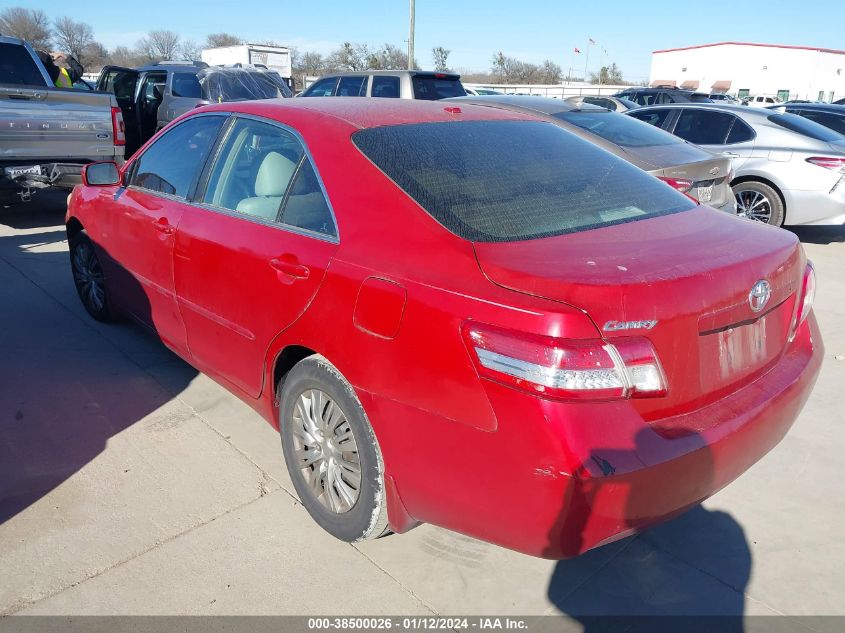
397,84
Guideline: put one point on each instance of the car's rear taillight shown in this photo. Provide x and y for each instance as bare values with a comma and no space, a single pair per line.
681,184
118,127
805,299
829,162
566,369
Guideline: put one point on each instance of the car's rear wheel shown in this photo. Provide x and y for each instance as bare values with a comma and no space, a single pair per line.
758,201
88,277
331,452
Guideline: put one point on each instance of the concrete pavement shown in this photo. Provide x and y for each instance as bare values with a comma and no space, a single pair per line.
131,484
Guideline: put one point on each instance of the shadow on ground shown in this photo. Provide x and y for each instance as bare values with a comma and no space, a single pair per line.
819,234
67,387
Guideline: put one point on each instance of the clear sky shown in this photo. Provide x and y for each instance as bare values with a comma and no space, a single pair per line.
474,30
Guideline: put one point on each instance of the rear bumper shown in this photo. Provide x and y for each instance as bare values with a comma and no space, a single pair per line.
815,207
556,479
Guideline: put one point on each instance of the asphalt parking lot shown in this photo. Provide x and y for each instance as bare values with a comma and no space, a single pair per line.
131,484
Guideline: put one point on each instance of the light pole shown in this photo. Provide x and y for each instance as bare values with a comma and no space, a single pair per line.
411,38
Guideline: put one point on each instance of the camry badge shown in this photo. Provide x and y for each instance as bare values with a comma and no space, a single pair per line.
612,326
759,295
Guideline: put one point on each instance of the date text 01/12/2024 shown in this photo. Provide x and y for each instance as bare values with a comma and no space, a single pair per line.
418,623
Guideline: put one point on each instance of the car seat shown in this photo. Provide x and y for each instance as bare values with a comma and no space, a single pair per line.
271,181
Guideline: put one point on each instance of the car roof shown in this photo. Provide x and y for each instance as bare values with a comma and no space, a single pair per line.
358,73
822,107
362,113
725,107
544,105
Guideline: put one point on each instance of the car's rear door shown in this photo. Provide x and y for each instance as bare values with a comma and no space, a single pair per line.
141,221
719,132
253,250
123,83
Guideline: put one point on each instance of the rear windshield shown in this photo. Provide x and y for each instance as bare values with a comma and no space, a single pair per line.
698,97
806,127
18,67
502,181
618,128
431,87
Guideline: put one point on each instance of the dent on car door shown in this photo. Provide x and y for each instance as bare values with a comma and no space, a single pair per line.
253,252
142,226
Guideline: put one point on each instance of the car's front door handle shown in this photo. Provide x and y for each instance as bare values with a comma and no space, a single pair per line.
163,226
730,154
290,266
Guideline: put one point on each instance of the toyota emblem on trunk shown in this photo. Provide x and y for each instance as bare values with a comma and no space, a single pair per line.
759,295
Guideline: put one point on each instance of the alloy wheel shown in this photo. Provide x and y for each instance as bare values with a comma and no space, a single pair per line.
754,206
326,451
88,276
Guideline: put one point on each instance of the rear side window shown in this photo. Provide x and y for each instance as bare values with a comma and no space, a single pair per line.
740,132
306,206
18,67
352,87
431,87
186,85
654,117
173,162
499,181
323,88
806,127
704,127
618,128
385,87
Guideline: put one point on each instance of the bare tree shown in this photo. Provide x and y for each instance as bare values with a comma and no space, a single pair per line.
95,56
440,56
72,37
608,75
511,70
31,25
189,50
549,73
350,57
123,56
159,45
216,40
388,57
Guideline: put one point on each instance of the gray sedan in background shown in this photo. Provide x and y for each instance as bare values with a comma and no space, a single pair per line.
787,169
689,169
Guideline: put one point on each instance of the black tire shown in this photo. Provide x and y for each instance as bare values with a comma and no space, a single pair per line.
367,516
751,193
89,279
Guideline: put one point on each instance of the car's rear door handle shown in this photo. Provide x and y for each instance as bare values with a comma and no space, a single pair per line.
162,225
290,266
731,154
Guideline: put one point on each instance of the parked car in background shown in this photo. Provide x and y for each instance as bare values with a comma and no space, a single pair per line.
47,134
664,94
476,92
689,169
396,84
761,101
827,114
616,351
720,97
787,169
615,104
149,96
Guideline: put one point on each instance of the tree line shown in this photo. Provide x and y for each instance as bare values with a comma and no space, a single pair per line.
77,38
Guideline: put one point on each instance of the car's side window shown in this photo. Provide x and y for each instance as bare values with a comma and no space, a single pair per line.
352,87
173,162
740,132
656,118
323,88
306,206
602,103
703,127
385,87
253,169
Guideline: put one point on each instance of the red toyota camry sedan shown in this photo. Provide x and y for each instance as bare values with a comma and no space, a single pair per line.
456,314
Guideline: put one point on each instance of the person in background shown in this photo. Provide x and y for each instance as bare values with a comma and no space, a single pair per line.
63,69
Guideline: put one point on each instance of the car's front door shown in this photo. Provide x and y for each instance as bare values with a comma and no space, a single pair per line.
143,220
123,83
251,254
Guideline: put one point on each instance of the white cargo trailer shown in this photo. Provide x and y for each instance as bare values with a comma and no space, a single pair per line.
272,57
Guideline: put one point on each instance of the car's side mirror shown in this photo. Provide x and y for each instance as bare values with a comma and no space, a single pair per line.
100,174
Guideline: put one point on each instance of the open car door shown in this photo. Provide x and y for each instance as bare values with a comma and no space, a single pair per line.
123,83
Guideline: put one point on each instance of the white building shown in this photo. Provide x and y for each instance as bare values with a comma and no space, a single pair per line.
742,69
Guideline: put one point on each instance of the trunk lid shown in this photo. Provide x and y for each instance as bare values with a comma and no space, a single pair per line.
691,272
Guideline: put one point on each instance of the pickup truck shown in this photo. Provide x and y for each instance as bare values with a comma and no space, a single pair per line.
46,133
